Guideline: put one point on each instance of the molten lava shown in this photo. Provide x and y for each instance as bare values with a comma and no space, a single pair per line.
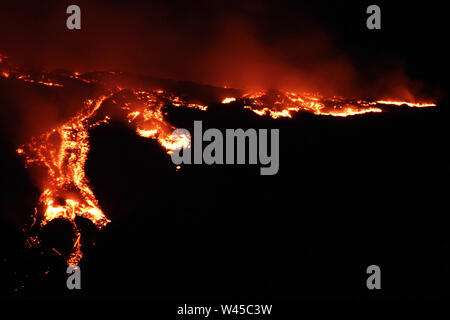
63,151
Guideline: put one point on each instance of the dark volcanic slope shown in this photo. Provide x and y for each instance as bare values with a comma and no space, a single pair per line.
354,191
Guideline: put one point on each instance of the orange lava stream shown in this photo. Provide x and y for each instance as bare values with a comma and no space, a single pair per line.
409,104
149,119
285,104
63,151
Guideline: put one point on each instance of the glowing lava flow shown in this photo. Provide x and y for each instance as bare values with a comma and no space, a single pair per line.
409,104
63,151
149,119
284,104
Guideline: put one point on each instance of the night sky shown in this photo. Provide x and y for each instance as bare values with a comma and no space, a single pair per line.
314,45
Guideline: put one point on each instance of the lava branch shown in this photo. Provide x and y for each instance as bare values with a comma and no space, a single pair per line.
283,104
63,151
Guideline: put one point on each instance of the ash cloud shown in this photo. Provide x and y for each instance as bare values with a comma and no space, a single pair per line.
245,45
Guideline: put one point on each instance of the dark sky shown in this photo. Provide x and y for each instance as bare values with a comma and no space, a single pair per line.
313,45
